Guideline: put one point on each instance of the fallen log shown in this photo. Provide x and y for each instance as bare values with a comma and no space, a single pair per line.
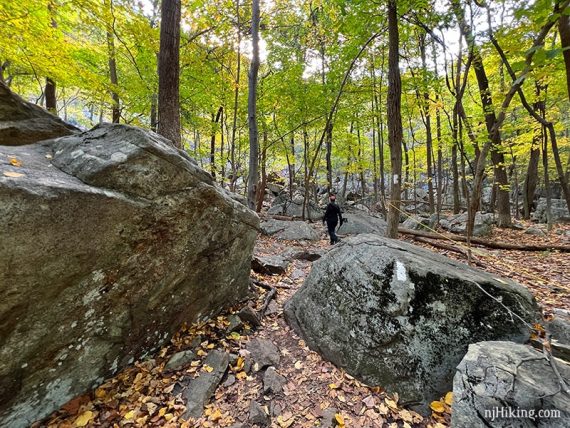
450,248
487,243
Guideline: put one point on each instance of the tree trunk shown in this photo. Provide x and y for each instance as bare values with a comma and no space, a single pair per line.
215,120
564,30
169,72
252,108
531,179
50,97
427,115
394,119
236,100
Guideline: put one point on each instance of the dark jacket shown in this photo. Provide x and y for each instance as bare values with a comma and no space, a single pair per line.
332,214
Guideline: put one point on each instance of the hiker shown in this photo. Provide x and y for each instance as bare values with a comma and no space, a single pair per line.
332,217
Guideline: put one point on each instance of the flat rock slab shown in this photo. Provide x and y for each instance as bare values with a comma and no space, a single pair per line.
200,389
495,378
264,352
269,265
401,317
289,230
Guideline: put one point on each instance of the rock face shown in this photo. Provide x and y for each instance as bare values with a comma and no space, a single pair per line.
110,240
289,230
294,208
360,222
559,211
396,315
458,223
24,123
496,379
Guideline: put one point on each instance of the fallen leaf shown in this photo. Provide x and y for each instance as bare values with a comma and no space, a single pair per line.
13,174
129,415
15,162
449,398
437,406
207,368
84,418
339,419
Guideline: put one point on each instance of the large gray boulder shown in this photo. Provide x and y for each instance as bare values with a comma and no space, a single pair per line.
401,317
457,223
289,230
558,210
504,384
24,123
294,209
360,222
109,241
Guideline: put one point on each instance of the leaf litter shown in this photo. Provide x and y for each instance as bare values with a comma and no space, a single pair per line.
144,394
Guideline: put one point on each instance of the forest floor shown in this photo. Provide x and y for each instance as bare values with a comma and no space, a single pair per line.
145,395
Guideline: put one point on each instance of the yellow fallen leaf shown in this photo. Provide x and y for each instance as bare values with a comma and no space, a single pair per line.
216,415
162,411
437,406
333,386
210,346
84,418
449,398
100,393
208,368
298,365
15,162
391,404
168,416
241,375
340,420
406,416
130,415
201,352
13,174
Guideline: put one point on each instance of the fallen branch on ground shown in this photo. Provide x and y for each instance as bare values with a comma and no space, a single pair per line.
487,243
449,248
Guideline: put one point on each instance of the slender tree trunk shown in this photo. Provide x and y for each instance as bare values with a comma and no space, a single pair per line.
427,115
263,183
169,73
111,52
215,120
252,108
546,178
531,179
236,104
564,30
395,132
50,97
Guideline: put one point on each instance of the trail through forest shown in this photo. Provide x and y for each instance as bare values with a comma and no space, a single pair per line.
307,391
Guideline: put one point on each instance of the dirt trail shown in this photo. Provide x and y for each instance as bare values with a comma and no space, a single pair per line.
315,393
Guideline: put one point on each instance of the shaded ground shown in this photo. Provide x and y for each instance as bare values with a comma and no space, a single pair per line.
143,395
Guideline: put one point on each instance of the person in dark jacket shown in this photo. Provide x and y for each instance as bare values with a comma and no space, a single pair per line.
332,217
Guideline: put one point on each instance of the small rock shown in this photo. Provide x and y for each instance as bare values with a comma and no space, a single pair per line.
308,255
229,381
257,414
264,353
275,409
273,381
179,360
248,315
272,309
329,420
269,265
235,323
200,389
535,231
